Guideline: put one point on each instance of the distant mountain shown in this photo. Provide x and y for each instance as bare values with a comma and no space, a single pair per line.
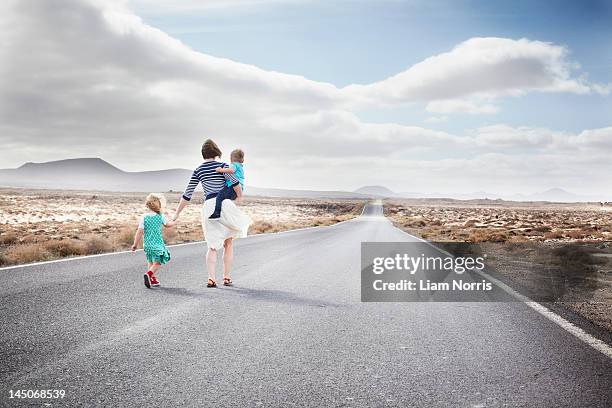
91,174
375,191
552,195
88,165
97,174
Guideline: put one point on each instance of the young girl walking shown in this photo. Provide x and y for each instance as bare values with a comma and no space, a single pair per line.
150,228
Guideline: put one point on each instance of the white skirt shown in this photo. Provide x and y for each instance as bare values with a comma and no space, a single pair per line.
233,223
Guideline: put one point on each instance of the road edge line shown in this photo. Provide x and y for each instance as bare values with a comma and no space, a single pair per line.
566,325
76,258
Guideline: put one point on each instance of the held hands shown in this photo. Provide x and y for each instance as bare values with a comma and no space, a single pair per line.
219,169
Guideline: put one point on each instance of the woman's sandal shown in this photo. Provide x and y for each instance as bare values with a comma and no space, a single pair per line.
227,282
211,283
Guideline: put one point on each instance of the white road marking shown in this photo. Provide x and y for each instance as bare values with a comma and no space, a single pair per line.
571,328
544,311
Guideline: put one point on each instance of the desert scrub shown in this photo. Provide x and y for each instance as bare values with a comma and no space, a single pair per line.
43,225
170,235
8,238
487,235
125,237
499,221
20,253
264,227
26,253
66,247
98,245
261,227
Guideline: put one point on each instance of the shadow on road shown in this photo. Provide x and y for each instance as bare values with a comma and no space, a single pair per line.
269,295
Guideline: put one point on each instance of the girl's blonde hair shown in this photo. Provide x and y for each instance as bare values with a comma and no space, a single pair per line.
155,202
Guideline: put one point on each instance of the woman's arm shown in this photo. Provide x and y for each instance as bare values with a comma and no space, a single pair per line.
191,186
193,183
182,204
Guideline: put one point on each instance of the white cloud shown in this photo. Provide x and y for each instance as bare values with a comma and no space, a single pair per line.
166,6
490,67
89,78
504,136
490,172
460,106
602,89
436,119
600,139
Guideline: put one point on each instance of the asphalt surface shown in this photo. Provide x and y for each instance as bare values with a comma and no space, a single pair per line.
291,332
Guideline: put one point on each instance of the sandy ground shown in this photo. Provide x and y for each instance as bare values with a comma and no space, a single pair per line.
496,220
44,208
46,224
562,250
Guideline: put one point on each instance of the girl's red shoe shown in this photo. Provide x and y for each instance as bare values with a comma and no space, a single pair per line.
148,278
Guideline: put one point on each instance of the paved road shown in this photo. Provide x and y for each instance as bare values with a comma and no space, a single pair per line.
292,332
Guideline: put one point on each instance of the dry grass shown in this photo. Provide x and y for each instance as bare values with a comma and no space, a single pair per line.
26,253
541,245
487,235
125,236
8,238
494,221
20,253
574,275
43,225
66,247
260,227
99,245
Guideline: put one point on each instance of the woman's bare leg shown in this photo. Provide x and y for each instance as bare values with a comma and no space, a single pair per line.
149,265
228,256
211,261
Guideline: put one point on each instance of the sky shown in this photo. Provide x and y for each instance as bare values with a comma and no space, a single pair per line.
418,96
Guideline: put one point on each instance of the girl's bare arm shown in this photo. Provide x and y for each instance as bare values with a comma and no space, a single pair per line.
137,238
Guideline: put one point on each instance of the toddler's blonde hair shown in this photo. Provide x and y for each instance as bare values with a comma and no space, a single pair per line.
155,202
237,156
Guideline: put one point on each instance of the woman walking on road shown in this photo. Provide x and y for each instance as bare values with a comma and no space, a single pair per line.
233,223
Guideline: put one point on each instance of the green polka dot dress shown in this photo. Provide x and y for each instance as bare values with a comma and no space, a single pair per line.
154,247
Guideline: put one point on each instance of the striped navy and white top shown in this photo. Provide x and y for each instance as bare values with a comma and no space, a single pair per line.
212,182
